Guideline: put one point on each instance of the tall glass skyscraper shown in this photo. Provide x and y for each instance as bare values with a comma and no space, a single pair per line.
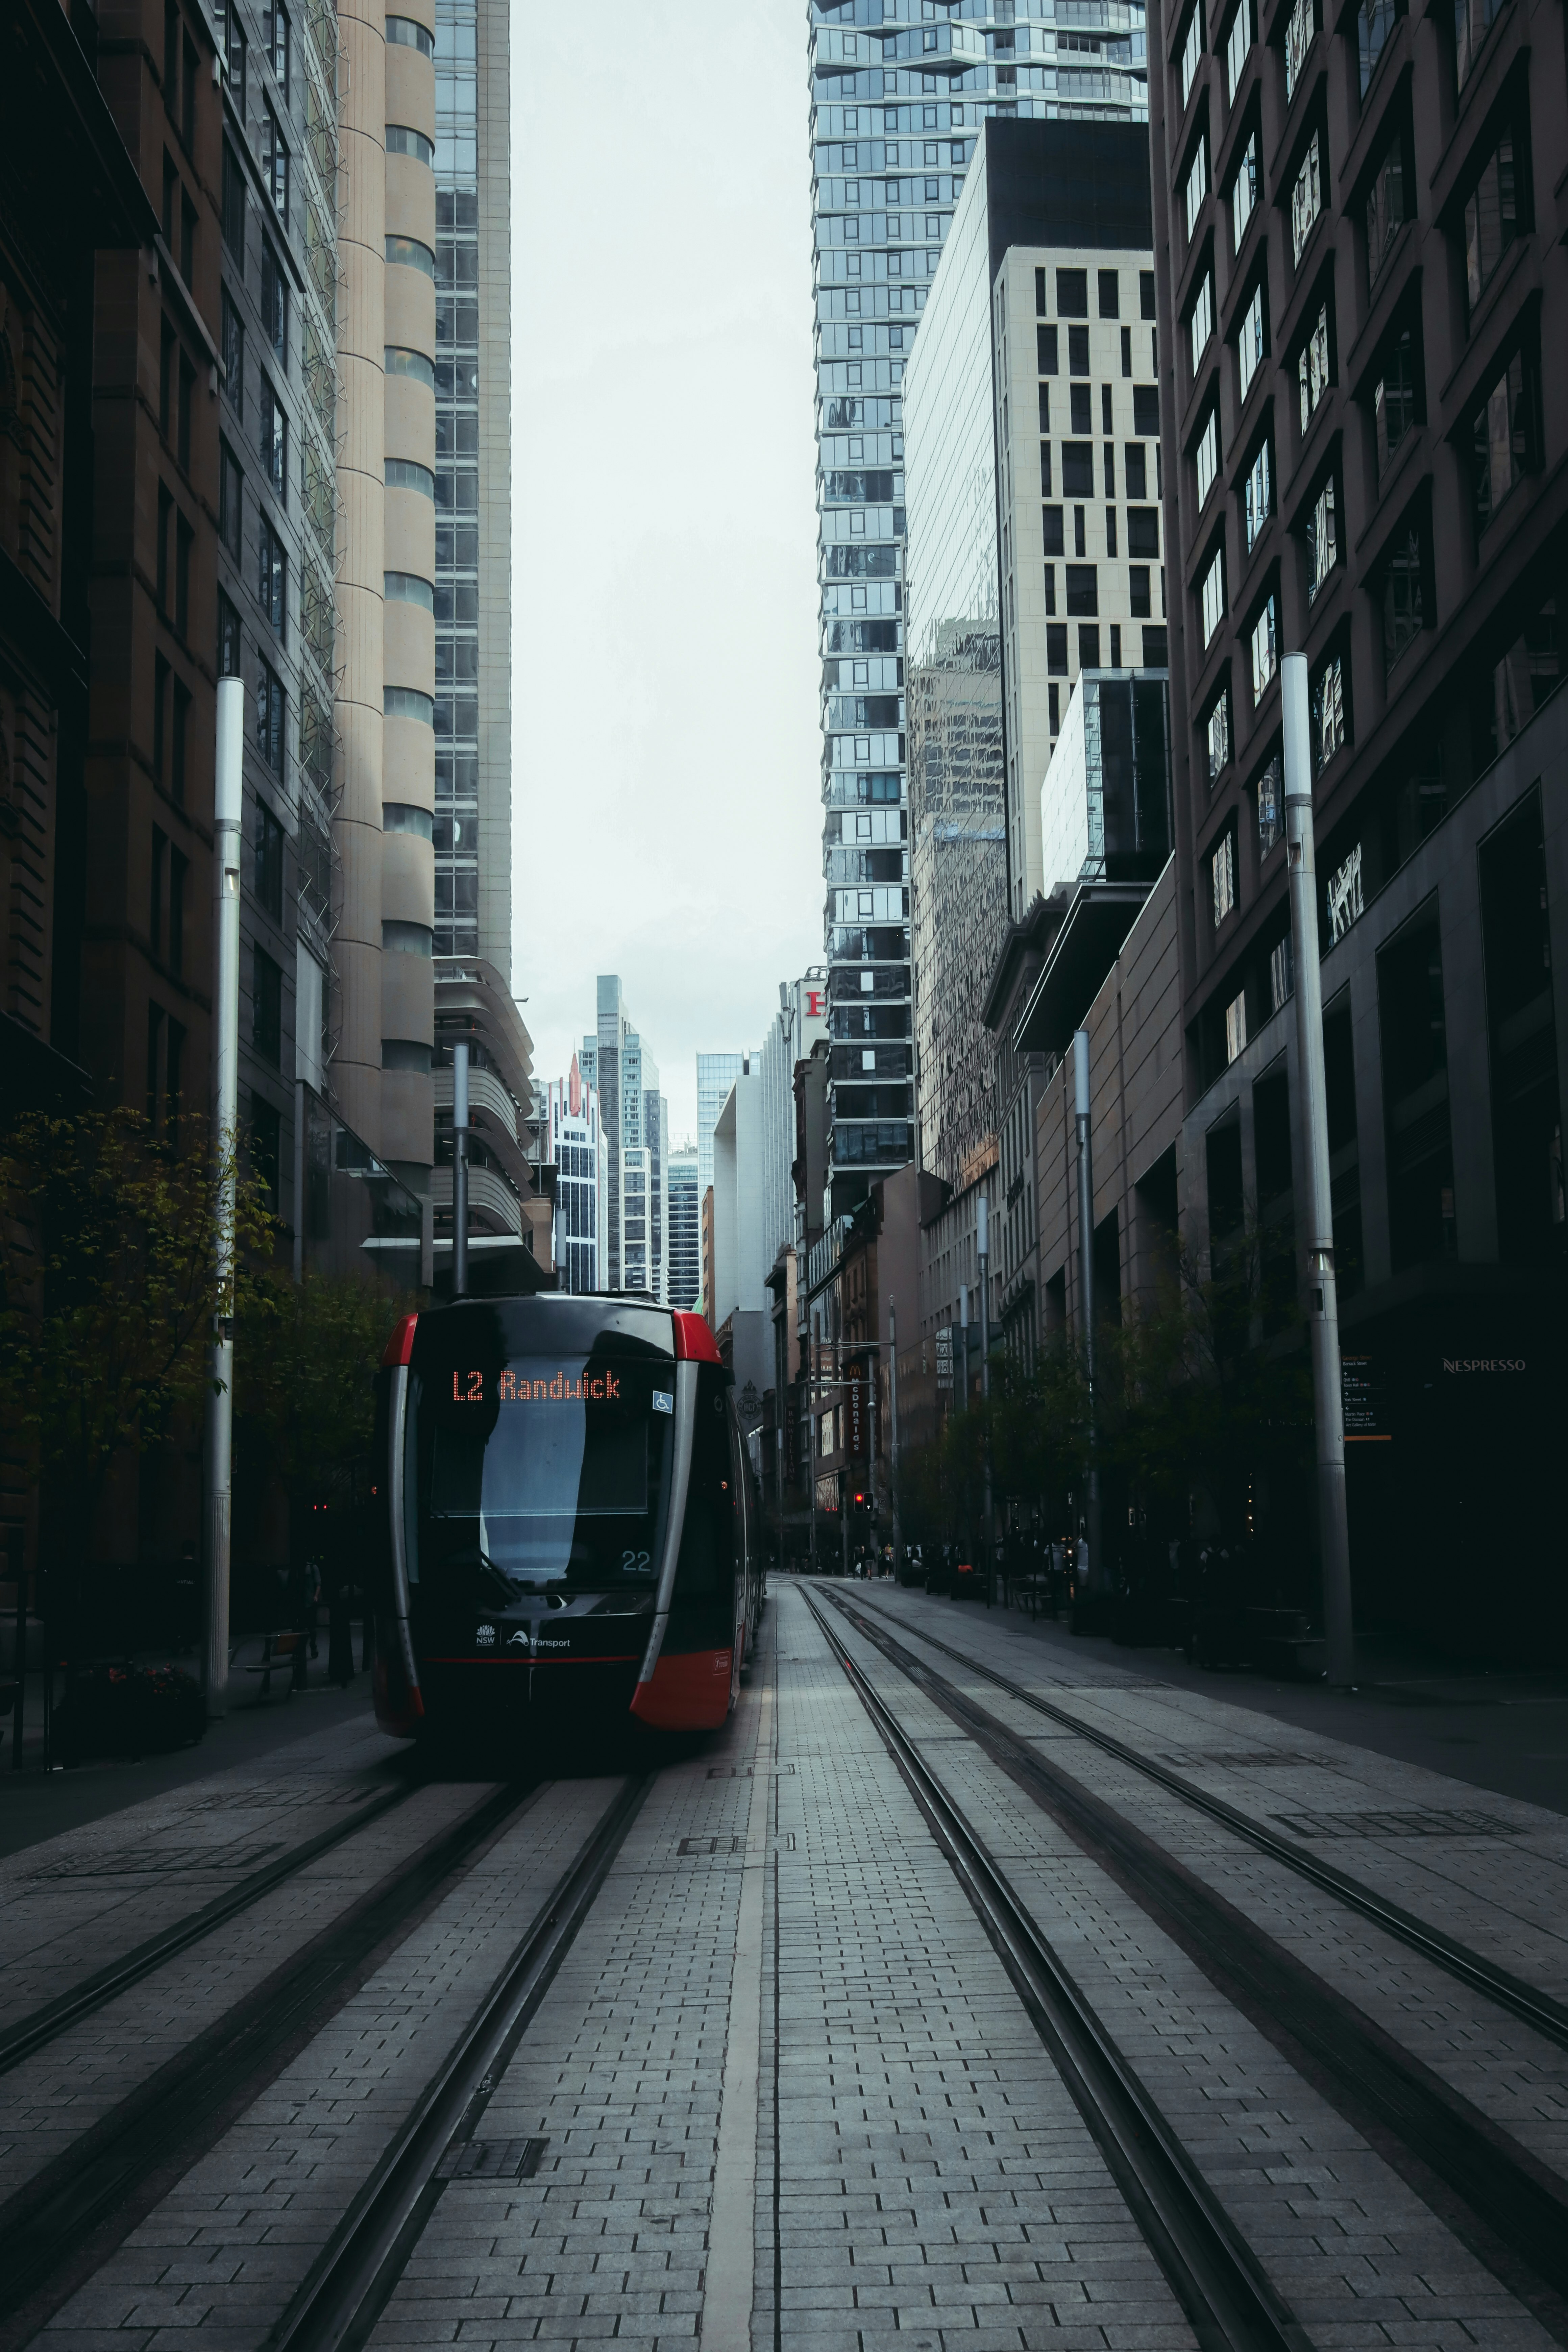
684,1229
473,482
898,89
716,1074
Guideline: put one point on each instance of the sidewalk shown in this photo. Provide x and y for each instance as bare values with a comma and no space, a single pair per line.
1497,1729
34,1805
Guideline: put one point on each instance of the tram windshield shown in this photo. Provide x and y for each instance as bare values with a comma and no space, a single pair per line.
544,1471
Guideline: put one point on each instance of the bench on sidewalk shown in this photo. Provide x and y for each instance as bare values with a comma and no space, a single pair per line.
280,1653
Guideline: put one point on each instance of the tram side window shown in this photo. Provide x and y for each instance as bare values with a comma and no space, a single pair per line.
707,1564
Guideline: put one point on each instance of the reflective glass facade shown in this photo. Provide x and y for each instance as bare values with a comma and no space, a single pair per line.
716,1074
899,89
685,1230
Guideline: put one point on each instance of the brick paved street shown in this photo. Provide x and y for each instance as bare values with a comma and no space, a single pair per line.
782,2003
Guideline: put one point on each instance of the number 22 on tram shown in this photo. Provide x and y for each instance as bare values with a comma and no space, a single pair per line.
566,1522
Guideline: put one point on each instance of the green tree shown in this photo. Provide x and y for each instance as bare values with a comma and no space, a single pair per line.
108,1285
305,1359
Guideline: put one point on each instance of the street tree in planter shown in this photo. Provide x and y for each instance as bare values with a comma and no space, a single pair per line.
108,1285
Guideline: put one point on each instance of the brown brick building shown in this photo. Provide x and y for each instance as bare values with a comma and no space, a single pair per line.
1360,218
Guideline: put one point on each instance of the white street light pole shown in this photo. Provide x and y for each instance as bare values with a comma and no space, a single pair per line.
1323,1301
218,1433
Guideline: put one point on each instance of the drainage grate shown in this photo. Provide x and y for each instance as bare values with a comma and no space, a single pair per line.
491,2159
692,1845
170,1860
1396,1826
1232,1760
748,1771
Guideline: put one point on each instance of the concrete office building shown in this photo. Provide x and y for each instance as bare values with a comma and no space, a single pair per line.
685,1245
385,939
895,110
1363,305
1031,389
739,1308
798,1024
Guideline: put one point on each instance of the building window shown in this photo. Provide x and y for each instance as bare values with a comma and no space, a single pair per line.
1056,650
275,164
1281,976
1208,455
227,637
1473,20
268,861
1501,440
1051,519
1200,322
1300,27
1046,491
1269,790
1385,210
266,1007
234,206
233,35
1077,351
1222,877
278,41
1143,533
1047,356
185,542
1313,376
1135,470
1491,218
1083,590
1108,289
1050,588
269,716
233,355
1110,532
1146,411
1251,340
1402,600
1077,469
1197,185
275,442
1138,594
1080,407
1258,494
1238,48
179,742
1244,192
1263,650
1192,51
1211,596
1329,720
1088,646
1323,539
1374,20
1072,293
271,574
230,501
1216,738
1234,1026
275,303
1393,398
1306,200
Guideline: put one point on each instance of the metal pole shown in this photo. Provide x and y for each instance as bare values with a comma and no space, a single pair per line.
227,823
1323,1301
811,1433
1086,1285
460,1168
893,1440
15,1542
871,1430
844,1480
982,1252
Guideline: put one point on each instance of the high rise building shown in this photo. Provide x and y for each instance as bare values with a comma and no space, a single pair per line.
634,1118
716,1074
1031,405
800,1020
1363,307
895,110
576,1147
473,482
685,1281
384,895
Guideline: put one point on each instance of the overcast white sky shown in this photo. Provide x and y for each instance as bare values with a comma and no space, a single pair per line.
666,817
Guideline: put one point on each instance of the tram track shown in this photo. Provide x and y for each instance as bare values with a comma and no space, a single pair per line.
1511,2210
79,2001
1228,2300
56,2228
1534,2008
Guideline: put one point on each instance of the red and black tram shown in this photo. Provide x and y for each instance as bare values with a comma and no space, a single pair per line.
566,1525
